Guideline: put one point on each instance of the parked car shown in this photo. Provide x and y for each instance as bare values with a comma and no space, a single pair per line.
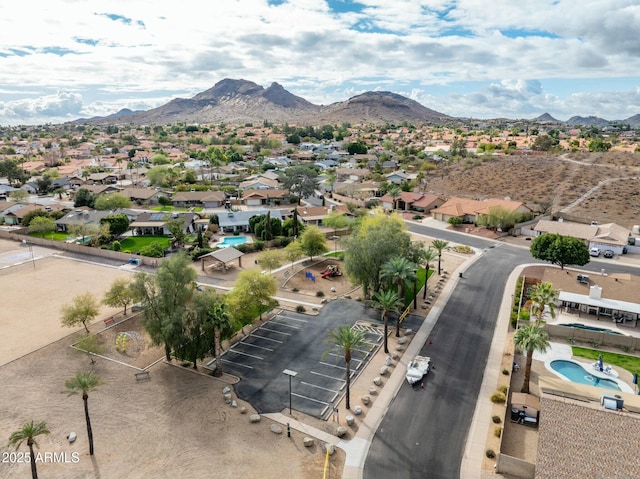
608,253
594,252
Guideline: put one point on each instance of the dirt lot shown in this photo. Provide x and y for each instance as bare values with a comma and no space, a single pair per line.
551,179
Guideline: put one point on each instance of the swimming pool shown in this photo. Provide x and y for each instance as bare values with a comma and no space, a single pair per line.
590,328
232,241
573,371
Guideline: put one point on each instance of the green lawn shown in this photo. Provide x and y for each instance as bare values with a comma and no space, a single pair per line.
136,243
408,293
630,363
51,235
170,208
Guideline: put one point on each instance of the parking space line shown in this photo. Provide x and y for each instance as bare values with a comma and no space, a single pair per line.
274,331
352,360
292,319
284,324
319,387
246,354
236,364
252,345
264,337
310,399
327,376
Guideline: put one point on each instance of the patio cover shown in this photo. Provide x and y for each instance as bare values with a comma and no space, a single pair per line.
599,302
224,255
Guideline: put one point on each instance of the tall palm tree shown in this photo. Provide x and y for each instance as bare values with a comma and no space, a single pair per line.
543,296
399,270
428,256
29,432
386,301
84,382
345,339
530,339
217,321
440,246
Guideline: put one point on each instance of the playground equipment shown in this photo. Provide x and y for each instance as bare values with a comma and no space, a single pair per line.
331,271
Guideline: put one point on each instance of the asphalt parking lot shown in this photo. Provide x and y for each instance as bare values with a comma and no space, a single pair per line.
297,342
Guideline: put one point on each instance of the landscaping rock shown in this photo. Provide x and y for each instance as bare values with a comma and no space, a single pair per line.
399,348
366,400
308,442
350,420
243,410
402,340
226,390
254,418
395,356
276,429
384,370
234,403
377,380
341,431
330,448
227,398
373,391
388,361
357,410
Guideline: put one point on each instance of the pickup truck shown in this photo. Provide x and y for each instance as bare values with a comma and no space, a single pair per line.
417,368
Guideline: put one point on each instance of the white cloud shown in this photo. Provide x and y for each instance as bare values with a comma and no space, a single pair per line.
133,47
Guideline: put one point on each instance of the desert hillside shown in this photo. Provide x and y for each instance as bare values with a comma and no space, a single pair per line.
608,183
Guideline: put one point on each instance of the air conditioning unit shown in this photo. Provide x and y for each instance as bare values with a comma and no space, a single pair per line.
612,401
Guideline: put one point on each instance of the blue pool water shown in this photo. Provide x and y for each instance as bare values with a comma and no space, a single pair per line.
590,328
232,241
577,374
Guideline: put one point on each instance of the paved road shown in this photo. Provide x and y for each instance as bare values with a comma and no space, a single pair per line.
424,431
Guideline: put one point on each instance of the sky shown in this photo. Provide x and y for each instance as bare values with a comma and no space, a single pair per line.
61,60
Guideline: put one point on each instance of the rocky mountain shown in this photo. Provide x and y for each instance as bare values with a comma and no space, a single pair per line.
587,121
242,101
546,118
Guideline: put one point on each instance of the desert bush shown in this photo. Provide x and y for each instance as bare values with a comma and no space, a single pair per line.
496,419
505,372
319,294
497,432
300,309
498,397
295,290
503,389
490,454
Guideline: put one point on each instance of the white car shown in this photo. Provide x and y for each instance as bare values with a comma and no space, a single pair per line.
417,368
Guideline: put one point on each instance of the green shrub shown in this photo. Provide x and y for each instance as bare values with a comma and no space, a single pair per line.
497,432
295,290
503,389
498,397
199,252
116,246
505,372
154,250
496,419
490,454
319,294
300,309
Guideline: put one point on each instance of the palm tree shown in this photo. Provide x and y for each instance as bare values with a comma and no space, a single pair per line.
439,246
387,301
29,432
394,193
345,339
217,321
399,270
428,256
84,382
543,296
530,338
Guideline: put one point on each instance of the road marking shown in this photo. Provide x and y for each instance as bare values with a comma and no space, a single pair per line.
319,387
274,331
284,324
246,354
342,357
235,364
327,376
244,343
310,399
264,337
292,319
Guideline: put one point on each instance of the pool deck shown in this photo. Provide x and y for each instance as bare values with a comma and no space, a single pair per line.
568,318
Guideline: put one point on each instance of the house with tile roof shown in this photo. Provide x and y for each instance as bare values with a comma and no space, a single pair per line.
423,202
608,236
313,215
470,211
206,199
265,197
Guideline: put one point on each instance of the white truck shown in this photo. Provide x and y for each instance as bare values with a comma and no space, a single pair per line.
418,368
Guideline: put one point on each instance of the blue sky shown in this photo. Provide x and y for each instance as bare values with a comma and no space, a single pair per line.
65,59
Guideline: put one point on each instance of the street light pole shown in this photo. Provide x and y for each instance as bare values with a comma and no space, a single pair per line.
291,374
33,260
